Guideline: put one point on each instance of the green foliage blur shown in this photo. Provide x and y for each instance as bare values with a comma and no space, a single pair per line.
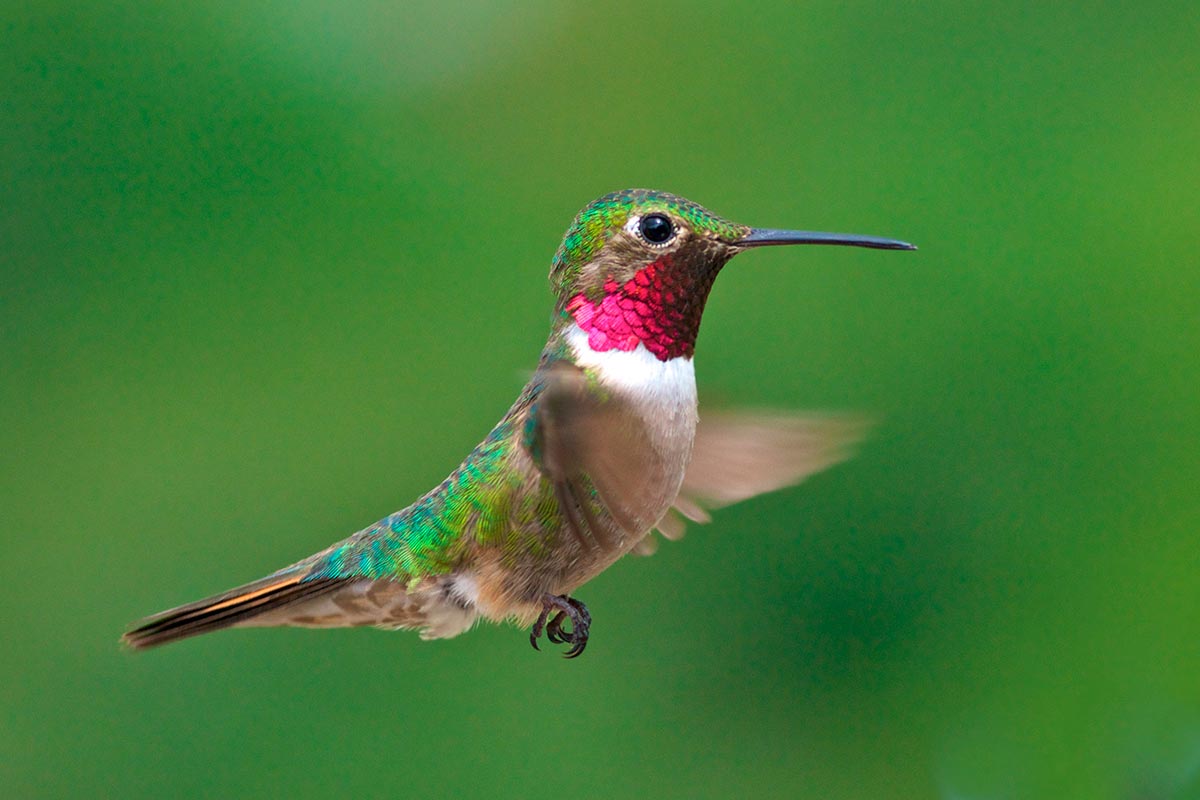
270,269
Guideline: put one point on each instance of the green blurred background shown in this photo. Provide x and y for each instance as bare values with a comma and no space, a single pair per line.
271,269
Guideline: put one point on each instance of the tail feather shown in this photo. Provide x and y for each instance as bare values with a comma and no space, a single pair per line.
227,609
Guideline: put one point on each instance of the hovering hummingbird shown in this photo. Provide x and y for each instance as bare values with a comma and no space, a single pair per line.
601,448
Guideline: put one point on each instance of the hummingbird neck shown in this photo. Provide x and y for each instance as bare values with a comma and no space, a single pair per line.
659,307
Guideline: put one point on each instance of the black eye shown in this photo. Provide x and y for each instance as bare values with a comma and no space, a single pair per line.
656,228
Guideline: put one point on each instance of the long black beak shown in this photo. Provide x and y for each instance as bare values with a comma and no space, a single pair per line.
762,237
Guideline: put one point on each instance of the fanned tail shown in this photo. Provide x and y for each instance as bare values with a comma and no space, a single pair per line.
229,608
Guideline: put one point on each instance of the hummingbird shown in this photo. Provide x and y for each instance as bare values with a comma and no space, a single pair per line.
603,446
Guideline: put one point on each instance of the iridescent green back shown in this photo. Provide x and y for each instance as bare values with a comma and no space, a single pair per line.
475,503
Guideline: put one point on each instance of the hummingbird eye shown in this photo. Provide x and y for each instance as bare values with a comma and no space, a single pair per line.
656,228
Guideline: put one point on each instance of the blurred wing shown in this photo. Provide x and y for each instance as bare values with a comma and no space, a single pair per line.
740,455
592,448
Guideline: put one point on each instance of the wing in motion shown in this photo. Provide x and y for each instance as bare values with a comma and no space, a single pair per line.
583,439
740,455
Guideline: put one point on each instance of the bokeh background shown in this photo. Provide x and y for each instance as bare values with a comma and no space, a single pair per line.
270,269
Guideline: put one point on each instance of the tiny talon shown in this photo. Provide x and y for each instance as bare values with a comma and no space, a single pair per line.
568,610
554,631
536,632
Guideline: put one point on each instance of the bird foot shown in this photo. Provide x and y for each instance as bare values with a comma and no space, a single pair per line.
568,610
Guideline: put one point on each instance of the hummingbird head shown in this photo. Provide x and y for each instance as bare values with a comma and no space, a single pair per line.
636,266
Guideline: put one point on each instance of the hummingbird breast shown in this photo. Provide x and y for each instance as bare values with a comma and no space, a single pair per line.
662,393
506,576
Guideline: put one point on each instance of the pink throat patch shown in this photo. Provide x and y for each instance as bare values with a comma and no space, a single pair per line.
653,308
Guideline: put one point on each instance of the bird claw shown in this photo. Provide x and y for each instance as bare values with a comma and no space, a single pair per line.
554,631
568,610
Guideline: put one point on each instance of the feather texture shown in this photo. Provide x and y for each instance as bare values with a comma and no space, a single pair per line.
227,609
738,455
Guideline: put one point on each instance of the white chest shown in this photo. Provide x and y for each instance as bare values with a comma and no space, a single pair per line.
664,392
